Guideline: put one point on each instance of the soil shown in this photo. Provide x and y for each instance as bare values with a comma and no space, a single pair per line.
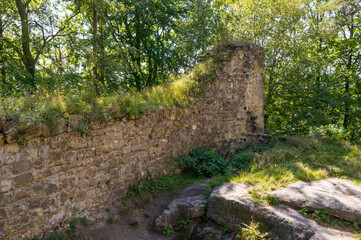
134,222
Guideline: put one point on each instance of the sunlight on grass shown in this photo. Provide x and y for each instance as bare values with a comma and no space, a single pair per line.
52,108
301,158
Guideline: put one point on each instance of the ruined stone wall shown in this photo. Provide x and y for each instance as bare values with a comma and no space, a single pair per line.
52,179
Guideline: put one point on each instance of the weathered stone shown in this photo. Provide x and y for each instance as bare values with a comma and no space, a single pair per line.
23,179
74,122
51,188
209,233
5,186
128,151
34,203
20,167
339,197
11,135
21,195
183,208
2,139
3,213
229,205
47,203
11,148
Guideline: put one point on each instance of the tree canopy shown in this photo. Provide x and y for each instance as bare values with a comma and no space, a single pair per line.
312,48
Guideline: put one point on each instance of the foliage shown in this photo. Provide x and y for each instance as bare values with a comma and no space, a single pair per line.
98,46
224,228
167,232
164,184
85,221
55,236
201,162
52,109
97,55
72,225
303,211
300,158
242,160
331,130
312,69
252,232
324,218
271,199
184,223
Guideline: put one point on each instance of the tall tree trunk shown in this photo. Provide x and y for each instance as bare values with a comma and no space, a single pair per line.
27,58
102,51
137,46
347,115
2,57
347,104
95,46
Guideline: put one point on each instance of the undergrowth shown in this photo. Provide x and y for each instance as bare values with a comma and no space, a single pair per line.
306,158
279,163
166,184
323,218
51,108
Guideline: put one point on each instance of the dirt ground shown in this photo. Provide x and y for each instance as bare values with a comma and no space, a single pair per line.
121,224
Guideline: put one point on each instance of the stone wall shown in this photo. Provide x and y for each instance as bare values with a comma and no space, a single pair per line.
54,178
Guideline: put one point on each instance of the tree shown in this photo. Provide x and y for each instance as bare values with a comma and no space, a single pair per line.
37,27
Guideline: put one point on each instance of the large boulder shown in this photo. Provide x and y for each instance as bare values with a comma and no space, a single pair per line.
229,205
338,197
181,208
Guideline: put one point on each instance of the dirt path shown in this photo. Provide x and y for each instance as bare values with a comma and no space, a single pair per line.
133,224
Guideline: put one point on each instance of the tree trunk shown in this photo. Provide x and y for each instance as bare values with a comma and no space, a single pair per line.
2,57
137,47
102,51
347,116
27,58
95,47
347,104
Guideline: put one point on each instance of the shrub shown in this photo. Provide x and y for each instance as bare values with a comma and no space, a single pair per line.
242,160
201,162
252,232
331,130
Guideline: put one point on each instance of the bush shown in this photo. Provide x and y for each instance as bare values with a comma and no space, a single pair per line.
242,160
331,130
201,162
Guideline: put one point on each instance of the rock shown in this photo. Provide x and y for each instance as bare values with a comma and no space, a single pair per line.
339,197
227,200
21,166
182,208
5,186
209,233
2,139
193,190
11,135
229,205
23,179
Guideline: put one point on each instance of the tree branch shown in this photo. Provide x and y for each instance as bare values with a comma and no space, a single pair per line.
17,50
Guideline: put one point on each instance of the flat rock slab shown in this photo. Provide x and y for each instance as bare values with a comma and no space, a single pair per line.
182,208
228,205
338,197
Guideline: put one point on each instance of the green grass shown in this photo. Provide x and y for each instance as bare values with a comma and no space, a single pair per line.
52,108
166,184
304,158
323,218
251,232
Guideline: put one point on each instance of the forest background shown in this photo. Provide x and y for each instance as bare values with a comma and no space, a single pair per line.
59,58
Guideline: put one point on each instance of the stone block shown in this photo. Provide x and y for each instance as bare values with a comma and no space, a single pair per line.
23,179
2,139
5,186
21,167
